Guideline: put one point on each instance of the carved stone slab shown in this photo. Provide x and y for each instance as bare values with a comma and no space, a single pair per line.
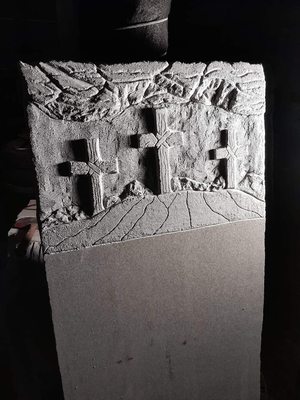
134,150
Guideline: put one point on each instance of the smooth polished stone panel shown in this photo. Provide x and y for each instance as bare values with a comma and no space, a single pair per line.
175,317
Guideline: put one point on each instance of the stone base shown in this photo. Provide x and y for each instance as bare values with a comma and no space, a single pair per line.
174,317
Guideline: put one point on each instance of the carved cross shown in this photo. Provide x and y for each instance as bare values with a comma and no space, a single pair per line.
95,167
230,153
163,139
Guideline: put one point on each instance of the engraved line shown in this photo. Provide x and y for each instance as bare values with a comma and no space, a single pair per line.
188,207
214,210
103,237
81,230
96,170
195,88
89,227
46,249
207,73
246,74
250,194
161,202
168,212
134,225
242,208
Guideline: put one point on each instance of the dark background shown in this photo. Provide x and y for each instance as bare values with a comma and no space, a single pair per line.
259,32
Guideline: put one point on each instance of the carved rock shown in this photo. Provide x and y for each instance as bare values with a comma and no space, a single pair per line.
127,151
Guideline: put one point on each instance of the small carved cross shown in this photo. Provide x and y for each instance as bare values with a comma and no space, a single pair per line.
95,167
230,153
163,139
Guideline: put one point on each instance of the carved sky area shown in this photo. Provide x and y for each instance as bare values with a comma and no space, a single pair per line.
126,151
86,92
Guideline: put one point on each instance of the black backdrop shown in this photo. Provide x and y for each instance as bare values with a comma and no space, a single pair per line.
267,33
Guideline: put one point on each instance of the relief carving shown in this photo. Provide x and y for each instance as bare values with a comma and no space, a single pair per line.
163,140
199,163
94,167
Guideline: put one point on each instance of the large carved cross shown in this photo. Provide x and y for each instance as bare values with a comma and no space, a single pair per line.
230,153
163,139
95,167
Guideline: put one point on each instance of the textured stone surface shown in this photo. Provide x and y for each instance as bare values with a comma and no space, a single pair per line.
126,151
